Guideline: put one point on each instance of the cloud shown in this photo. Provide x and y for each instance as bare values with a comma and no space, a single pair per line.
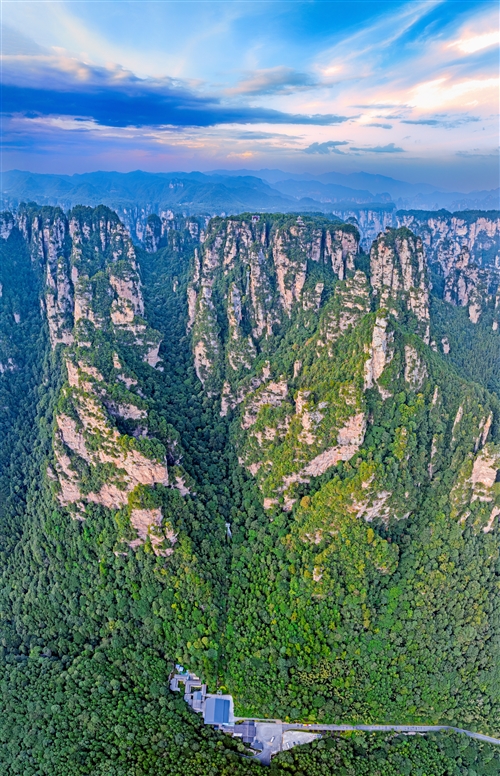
249,135
14,42
477,42
439,92
381,126
273,80
387,149
330,147
429,122
478,154
115,97
446,123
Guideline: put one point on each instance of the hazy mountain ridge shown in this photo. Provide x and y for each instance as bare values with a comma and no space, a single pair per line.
136,195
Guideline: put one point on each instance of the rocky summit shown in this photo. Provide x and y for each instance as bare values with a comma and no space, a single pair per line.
258,448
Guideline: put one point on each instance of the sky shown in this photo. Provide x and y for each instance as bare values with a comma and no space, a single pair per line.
406,89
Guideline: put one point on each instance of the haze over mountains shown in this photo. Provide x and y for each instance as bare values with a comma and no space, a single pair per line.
234,191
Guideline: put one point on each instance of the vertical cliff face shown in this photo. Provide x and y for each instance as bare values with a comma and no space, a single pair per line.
171,230
464,250
370,221
93,302
46,233
399,276
301,344
94,461
250,274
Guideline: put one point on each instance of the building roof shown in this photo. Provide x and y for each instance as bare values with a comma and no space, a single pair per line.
216,711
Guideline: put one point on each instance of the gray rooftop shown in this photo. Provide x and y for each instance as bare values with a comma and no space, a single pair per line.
216,711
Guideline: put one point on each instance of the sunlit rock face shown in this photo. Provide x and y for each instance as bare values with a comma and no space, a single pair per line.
297,332
265,266
168,229
399,276
255,278
464,250
93,304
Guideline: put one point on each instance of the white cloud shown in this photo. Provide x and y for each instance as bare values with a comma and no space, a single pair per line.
477,42
440,92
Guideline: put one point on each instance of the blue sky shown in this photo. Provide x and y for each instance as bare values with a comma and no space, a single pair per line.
408,89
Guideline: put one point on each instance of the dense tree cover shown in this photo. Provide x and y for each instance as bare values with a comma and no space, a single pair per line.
22,348
107,711
389,621
381,755
474,349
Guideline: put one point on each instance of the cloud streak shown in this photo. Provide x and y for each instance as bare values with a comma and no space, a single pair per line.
116,97
329,147
390,148
274,80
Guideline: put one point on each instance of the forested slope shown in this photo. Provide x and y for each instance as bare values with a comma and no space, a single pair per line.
277,381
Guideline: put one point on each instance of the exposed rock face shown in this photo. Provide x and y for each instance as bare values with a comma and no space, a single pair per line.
350,438
415,368
152,234
240,349
262,267
476,483
90,435
446,235
93,296
464,248
147,522
370,221
380,354
399,276
7,224
157,228
90,269
272,394
46,234
128,301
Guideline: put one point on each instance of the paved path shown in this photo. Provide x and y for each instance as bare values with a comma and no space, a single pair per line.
270,734
398,728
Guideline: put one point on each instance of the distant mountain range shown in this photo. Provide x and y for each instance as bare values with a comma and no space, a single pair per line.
220,192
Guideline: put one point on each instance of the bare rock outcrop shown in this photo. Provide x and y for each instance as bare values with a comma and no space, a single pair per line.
79,436
262,265
273,394
465,247
148,524
476,483
379,354
350,438
7,224
415,368
399,276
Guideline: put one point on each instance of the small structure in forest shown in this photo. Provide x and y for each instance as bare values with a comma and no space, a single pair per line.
217,710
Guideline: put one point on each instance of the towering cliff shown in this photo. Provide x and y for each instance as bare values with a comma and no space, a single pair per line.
275,306
250,274
104,451
463,252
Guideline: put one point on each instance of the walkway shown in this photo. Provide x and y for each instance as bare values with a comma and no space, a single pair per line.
397,728
271,735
